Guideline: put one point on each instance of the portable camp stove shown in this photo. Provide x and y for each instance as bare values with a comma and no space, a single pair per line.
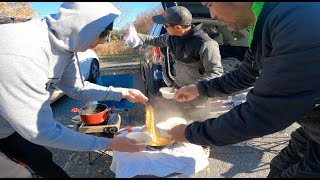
107,128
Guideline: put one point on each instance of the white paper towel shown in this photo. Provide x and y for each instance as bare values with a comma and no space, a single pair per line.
184,158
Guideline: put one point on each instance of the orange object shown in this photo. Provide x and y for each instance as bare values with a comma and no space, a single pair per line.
94,114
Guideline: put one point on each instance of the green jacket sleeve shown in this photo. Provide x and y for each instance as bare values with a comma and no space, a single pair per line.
237,80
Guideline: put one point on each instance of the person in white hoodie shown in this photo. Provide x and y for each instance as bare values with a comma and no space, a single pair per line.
35,57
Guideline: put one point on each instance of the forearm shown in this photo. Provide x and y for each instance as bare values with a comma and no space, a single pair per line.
92,92
73,84
160,41
258,116
237,80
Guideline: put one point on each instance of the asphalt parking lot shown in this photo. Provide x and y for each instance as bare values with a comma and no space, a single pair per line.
224,162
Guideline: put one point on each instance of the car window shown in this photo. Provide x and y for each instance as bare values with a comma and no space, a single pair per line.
152,29
157,30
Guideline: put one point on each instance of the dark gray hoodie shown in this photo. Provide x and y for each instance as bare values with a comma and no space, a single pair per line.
197,56
38,55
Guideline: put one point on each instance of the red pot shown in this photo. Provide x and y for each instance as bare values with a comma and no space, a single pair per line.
94,113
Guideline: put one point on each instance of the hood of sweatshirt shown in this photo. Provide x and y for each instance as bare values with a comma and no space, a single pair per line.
195,30
77,24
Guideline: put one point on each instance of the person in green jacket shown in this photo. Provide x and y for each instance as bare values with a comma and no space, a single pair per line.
282,64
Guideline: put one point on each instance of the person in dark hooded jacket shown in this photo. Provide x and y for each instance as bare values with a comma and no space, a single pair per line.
283,66
196,55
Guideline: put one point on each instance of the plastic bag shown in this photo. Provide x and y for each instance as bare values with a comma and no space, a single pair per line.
132,40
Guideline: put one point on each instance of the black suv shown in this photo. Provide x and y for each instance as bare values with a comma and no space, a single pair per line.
157,64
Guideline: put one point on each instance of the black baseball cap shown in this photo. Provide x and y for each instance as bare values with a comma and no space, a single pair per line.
176,15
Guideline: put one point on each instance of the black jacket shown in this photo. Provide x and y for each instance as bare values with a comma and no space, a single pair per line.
283,67
196,55
186,49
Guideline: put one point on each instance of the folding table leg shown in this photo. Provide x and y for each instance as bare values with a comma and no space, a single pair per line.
101,153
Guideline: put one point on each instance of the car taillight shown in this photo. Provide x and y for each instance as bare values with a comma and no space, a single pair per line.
156,52
156,55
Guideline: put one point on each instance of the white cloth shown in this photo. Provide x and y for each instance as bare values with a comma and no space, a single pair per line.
184,158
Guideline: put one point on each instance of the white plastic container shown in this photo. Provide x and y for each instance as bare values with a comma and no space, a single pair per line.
164,126
142,137
168,92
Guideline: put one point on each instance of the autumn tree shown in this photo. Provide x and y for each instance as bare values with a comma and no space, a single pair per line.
144,22
17,9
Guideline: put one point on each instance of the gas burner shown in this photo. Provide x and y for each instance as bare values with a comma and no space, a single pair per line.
108,127
103,123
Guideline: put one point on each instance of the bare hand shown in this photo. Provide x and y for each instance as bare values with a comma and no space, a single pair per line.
134,95
124,144
177,132
187,93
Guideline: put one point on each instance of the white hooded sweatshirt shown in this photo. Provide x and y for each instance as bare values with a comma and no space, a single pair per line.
38,55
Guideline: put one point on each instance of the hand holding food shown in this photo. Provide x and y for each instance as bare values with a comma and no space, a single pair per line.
141,137
187,93
167,125
125,144
134,95
177,132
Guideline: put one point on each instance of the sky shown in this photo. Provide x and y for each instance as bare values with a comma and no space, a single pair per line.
130,10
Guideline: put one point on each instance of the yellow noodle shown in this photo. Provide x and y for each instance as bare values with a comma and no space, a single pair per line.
157,139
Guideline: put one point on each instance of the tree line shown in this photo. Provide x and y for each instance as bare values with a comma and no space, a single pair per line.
143,23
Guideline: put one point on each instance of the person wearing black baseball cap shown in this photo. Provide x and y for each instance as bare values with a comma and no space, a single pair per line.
197,56
177,15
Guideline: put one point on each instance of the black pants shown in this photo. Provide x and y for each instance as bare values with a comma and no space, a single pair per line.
300,159
37,157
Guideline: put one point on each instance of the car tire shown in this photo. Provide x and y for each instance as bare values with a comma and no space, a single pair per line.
94,71
147,76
